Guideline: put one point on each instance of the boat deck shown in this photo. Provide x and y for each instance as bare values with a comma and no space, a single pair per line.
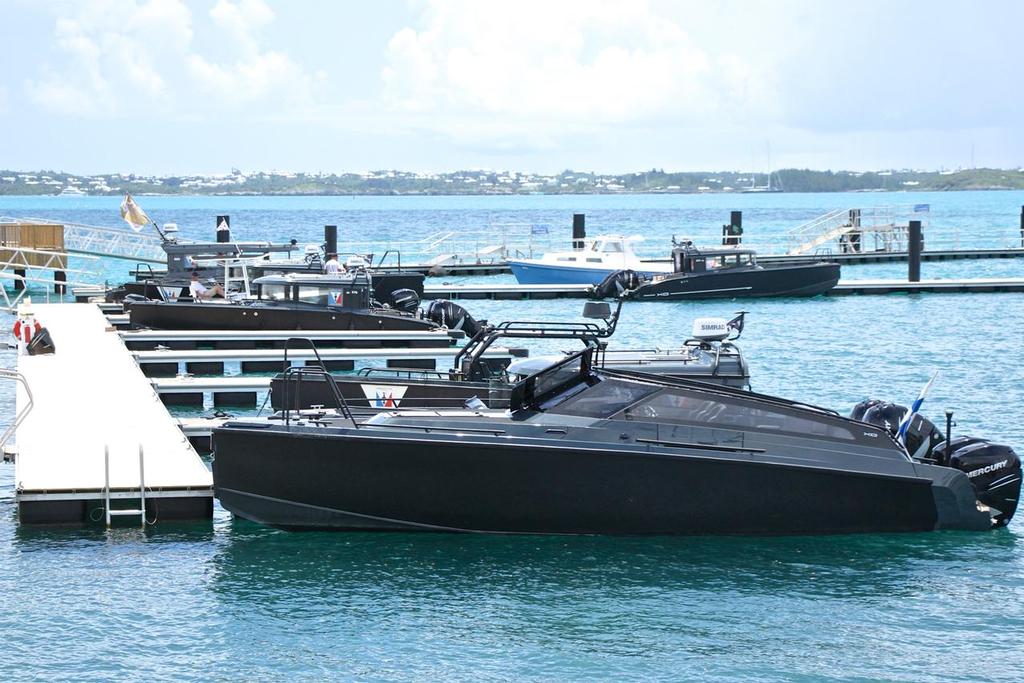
89,395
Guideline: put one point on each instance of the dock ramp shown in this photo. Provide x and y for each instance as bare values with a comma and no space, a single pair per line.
90,397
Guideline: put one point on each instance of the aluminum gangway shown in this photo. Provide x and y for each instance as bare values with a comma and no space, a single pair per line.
92,240
875,229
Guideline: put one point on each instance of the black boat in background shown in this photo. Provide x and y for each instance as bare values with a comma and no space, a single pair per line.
709,356
721,272
584,450
302,302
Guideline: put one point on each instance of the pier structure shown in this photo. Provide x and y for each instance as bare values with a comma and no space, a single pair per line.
33,256
97,438
845,287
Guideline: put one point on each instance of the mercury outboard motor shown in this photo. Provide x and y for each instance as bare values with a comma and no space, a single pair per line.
616,284
405,300
454,317
993,468
922,435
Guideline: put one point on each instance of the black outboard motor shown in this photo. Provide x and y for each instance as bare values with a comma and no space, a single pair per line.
454,317
993,468
405,300
616,284
922,434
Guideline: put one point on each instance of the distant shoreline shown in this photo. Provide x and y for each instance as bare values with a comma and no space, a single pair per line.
506,183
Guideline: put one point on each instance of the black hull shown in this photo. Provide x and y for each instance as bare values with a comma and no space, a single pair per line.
792,280
359,482
220,316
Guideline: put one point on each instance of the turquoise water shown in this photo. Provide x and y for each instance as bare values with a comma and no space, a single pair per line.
231,600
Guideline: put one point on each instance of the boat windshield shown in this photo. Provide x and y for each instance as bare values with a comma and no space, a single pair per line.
316,295
274,292
731,261
604,399
681,406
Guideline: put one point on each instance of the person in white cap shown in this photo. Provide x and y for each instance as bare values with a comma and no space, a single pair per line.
26,326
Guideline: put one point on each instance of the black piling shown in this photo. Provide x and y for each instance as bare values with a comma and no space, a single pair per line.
579,230
59,278
1022,227
914,251
19,284
223,228
330,239
732,234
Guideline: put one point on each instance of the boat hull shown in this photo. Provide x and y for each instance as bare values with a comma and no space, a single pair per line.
536,273
776,281
360,481
215,316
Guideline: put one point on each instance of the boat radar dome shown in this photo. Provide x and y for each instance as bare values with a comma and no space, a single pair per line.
170,229
711,329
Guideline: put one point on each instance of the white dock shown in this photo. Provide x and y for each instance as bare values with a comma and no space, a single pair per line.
142,339
211,361
89,395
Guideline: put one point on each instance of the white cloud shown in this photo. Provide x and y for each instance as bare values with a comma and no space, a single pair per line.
539,69
126,56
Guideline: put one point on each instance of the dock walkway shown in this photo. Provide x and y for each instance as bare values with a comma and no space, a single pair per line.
878,286
88,395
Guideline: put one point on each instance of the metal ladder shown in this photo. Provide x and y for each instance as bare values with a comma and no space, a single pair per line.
141,510
6,373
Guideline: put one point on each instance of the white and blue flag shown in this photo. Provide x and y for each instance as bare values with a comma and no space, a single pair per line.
901,433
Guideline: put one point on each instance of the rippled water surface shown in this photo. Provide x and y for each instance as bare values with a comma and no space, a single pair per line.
232,600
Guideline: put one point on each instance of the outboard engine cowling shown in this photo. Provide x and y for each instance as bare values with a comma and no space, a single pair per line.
405,300
617,283
449,314
922,434
994,470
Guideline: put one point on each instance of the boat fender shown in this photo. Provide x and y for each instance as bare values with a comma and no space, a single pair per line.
449,314
406,300
617,283
994,470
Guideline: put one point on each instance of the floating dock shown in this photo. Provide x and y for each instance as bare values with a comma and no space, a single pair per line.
88,397
274,339
882,286
167,362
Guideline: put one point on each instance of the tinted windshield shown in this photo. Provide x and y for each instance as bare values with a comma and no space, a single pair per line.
604,399
681,406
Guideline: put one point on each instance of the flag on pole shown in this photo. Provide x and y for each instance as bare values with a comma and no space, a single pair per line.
133,214
901,433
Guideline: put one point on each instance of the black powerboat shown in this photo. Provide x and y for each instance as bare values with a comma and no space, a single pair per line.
721,272
710,355
584,450
297,302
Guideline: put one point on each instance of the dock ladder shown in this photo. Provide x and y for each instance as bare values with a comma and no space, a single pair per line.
127,512
14,375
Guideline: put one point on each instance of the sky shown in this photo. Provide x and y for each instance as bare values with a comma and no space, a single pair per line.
189,86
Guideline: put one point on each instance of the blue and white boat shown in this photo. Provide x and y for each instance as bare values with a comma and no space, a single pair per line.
601,256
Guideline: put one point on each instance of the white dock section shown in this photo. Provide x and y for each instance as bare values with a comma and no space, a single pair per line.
89,395
305,354
438,337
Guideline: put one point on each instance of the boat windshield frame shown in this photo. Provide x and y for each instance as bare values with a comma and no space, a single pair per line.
558,379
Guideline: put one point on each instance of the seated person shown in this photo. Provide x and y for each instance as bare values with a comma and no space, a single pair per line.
332,267
199,291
